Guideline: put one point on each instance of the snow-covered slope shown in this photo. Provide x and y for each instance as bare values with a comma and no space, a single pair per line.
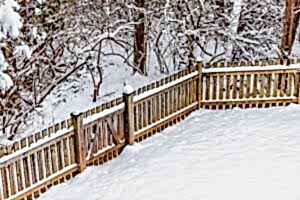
212,155
55,110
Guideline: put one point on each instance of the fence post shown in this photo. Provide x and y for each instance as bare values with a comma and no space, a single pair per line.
128,96
299,88
80,150
199,82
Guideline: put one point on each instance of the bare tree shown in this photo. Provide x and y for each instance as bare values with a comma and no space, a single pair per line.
139,37
290,25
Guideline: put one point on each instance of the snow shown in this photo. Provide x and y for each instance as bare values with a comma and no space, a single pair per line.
10,24
128,89
10,21
199,59
212,155
113,86
23,50
104,113
251,69
250,99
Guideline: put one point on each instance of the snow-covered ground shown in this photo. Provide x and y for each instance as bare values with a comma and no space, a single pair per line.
212,155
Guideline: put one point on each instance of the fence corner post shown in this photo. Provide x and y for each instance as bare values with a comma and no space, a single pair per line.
128,95
80,150
199,62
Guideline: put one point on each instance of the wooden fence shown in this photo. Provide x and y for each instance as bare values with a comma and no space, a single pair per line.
30,166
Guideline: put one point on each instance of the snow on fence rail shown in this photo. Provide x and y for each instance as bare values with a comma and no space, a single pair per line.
33,164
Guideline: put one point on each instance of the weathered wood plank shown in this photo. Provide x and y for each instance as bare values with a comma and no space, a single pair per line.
228,84
207,92
241,87
269,84
221,87
283,85
275,86
289,84
262,85
234,87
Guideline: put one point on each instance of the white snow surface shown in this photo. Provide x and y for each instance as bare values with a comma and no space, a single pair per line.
251,69
112,87
212,155
128,89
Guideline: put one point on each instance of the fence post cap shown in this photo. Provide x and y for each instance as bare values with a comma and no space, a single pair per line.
199,59
76,113
128,89
5,142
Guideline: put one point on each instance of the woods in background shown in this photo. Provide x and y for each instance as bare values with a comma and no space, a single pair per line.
70,37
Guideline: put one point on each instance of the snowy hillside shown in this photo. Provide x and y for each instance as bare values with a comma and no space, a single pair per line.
235,154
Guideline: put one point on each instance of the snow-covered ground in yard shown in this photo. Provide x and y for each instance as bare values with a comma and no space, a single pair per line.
212,155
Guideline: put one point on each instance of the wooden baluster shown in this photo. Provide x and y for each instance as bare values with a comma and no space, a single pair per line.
5,182
53,158
72,150
248,86
100,135
105,136
275,86
269,78
262,86
228,83
296,84
234,87
255,84
214,88
207,92
282,85
66,151
221,87
241,87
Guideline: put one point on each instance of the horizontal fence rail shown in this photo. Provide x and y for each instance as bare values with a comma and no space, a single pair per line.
28,167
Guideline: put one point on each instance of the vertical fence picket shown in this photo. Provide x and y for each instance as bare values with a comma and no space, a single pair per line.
269,84
261,85
275,86
67,152
282,84
234,87
214,88
207,92
296,84
241,87
221,87
248,86
100,134
228,86
255,85
289,85
4,183
9,189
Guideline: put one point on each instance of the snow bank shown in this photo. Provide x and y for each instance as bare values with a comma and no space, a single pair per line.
213,155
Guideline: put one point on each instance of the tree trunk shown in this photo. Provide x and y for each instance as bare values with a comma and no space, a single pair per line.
139,38
290,25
